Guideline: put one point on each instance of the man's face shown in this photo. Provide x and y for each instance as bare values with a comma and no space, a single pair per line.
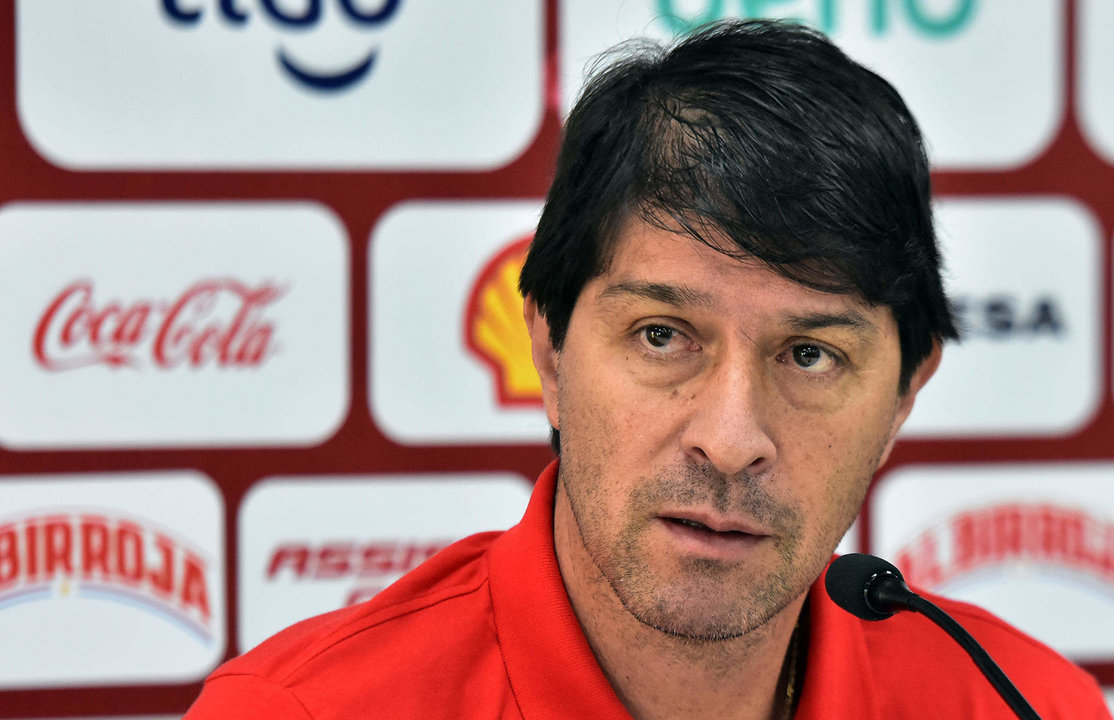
719,427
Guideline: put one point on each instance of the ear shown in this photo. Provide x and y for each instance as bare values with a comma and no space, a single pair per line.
921,375
545,357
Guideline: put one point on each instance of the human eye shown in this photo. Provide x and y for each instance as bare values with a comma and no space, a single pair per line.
658,336
658,339
812,358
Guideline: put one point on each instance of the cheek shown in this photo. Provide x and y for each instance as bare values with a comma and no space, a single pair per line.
586,410
842,455
598,404
612,433
856,455
861,463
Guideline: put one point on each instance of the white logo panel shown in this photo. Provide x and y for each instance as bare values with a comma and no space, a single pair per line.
849,543
974,113
1015,539
393,84
176,324
110,579
1025,276
309,545
426,386
1096,73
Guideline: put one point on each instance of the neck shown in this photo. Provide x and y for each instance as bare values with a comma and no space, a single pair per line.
657,675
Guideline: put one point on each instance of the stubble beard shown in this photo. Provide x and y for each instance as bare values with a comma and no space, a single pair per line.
697,599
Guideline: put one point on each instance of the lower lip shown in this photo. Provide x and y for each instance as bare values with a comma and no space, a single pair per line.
725,545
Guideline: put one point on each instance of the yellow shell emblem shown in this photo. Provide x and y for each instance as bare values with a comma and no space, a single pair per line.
495,331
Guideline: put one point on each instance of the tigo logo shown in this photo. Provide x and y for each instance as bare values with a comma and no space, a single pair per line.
74,332
332,80
494,329
278,84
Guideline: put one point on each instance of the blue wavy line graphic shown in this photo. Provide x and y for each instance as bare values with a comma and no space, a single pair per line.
328,82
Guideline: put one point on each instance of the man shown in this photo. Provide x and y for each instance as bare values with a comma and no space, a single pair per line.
733,298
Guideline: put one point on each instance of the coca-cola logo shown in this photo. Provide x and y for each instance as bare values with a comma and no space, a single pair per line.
216,322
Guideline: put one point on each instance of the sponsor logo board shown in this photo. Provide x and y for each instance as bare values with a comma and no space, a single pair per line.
265,84
1025,276
110,579
309,545
450,356
1096,74
494,330
849,543
1015,539
138,325
973,113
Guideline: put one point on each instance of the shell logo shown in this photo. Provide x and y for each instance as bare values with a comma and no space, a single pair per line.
494,330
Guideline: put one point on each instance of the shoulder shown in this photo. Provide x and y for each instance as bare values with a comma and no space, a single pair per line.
446,585
435,620
929,666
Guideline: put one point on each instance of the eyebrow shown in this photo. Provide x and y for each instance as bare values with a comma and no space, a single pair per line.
675,295
681,296
819,321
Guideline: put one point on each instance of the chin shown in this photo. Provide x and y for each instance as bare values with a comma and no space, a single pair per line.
688,610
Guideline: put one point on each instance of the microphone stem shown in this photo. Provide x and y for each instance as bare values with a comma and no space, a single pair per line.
985,663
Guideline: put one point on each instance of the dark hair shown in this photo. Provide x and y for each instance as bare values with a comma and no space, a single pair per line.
763,132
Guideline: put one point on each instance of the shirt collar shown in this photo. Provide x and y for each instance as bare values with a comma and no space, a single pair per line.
551,668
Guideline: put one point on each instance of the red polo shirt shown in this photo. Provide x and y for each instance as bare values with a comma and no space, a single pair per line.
484,629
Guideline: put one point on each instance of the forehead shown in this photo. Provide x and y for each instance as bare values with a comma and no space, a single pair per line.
651,264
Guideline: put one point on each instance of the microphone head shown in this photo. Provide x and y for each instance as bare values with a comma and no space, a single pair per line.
849,580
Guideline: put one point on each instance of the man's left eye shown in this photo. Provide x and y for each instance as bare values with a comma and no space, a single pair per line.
659,336
812,357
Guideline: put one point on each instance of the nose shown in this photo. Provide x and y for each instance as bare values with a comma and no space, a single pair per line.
727,425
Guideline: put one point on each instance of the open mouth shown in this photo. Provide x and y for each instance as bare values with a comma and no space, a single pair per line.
698,526
694,525
701,539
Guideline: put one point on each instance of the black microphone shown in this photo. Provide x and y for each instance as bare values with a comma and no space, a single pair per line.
870,588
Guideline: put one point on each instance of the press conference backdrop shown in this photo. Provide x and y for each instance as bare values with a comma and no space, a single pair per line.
260,346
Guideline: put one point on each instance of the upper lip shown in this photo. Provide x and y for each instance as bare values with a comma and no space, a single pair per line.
716,521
